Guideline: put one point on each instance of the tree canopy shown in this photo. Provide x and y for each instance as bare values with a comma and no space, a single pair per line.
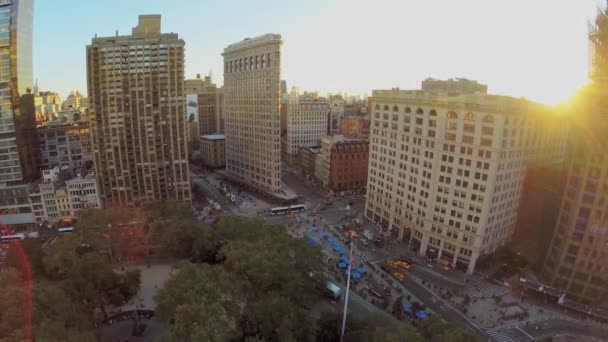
87,275
260,286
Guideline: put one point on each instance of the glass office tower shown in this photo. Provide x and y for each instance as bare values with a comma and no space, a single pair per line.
19,154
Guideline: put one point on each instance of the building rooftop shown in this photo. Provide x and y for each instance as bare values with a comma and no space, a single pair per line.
478,101
249,42
216,136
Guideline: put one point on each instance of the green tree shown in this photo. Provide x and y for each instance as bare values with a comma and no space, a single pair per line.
26,253
205,301
58,318
182,236
373,329
13,305
277,264
274,277
87,275
277,318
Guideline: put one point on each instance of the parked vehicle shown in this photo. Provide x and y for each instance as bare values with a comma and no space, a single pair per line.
333,291
393,264
404,265
368,235
399,276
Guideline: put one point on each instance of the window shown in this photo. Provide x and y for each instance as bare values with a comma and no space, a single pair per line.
408,110
488,119
385,107
395,109
452,115
487,130
419,111
377,107
468,128
469,117
433,112
486,142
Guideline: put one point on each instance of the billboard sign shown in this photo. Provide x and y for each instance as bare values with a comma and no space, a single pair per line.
191,108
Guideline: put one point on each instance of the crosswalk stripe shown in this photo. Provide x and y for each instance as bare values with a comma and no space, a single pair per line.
500,336
485,289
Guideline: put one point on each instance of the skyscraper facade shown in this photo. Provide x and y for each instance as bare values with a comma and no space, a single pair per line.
577,260
447,172
305,123
138,115
19,154
252,100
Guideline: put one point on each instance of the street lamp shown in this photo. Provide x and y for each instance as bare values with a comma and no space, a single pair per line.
350,267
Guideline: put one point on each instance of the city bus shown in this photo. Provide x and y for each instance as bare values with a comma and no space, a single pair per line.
65,230
279,211
297,208
6,238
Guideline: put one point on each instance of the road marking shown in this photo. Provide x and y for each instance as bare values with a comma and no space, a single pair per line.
522,330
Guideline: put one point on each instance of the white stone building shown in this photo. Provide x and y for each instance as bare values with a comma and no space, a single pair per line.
449,171
252,99
305,123
56,198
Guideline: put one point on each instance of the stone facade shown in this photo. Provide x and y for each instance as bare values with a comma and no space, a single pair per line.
447,172
252,95
137,110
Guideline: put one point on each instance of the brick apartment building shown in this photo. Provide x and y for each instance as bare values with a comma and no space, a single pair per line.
342,163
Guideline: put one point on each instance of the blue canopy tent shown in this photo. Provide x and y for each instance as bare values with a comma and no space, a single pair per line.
421,314
362,270
357,275
406,308
343,265
323,235
345,259
312,241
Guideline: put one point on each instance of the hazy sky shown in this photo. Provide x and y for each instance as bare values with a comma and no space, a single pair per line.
532,48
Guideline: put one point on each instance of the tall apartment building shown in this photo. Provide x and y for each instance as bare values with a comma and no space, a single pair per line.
66,145
137,110
449,170
19,152
252,95
577,261
336,113
342,164
305,123
206,100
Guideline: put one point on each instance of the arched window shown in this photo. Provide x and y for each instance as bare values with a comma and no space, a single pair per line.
469,117
433,112
395,109
488,118
385,107
377,107
419,111
408,110
452,115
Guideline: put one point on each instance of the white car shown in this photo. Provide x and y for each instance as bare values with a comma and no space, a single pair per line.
368,235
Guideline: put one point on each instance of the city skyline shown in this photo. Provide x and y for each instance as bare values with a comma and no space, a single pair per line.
522,60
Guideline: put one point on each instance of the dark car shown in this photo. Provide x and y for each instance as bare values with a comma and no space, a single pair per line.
407,259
